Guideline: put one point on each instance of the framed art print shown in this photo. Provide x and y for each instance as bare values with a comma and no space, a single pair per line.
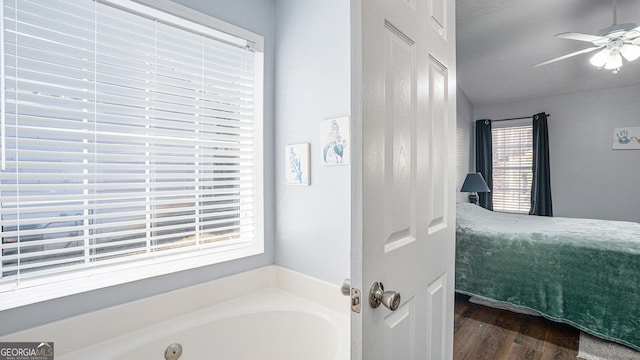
297,164
334,139
626,138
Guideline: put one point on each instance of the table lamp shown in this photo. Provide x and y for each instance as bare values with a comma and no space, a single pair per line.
473,184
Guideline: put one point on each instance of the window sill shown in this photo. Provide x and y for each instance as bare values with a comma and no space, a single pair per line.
41,289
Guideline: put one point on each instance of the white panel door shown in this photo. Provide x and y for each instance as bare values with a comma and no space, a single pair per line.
403,176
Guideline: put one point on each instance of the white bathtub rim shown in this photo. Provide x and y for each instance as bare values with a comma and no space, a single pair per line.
69,339
267,300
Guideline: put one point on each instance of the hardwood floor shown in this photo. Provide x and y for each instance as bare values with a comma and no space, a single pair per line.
483,333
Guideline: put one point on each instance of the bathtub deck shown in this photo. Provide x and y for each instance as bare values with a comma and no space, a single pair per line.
104,334
268,300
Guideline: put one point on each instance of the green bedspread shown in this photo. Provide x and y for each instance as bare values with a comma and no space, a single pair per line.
578,271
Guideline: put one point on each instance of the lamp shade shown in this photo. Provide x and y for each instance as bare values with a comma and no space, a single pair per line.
474,183
614,61
600,58
630,52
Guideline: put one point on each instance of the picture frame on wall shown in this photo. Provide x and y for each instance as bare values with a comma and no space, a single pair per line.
335,141
626,138
297,164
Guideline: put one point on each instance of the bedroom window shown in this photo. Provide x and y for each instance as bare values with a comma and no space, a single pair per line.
512,166
131,144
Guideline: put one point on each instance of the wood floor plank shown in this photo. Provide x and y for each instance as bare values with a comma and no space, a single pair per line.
498,336
473,332
520,352
478,326
532,334
484,333
560,344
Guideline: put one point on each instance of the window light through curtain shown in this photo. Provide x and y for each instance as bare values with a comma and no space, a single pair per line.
512,167
129,141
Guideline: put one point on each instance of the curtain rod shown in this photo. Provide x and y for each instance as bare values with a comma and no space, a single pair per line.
519,118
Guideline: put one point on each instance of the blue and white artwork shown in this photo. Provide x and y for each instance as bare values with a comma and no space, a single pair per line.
335,141
626,138
297,164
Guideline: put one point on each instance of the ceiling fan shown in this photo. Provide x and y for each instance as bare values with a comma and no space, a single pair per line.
614,42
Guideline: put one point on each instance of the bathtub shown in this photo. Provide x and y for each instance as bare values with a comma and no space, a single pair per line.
268,313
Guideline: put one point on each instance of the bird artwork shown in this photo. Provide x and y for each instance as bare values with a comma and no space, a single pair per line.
333,153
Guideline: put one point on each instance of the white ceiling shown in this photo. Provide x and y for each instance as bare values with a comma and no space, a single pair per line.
499,40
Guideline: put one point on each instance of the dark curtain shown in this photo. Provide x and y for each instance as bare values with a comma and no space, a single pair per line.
541,184
484,160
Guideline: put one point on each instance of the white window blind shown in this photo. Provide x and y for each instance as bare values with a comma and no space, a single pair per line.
512,168
125,138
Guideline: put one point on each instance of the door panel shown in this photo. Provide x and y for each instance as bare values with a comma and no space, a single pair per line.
399,75
399,326
403,200
436,316
438,148
437,16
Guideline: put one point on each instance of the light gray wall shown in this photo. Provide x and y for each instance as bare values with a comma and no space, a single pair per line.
465,158
254,15
588,178
312,84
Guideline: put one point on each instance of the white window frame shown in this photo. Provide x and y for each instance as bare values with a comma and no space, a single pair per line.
38,289
509,204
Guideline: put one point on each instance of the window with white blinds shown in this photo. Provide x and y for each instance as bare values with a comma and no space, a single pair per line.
130,137
512,168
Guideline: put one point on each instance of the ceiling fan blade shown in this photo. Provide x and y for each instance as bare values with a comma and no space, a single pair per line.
583,51
580,37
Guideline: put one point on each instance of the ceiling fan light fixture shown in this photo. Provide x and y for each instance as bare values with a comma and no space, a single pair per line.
600,58
630,52
614,61
612,43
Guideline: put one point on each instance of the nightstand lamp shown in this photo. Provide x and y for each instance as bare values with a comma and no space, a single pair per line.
473,184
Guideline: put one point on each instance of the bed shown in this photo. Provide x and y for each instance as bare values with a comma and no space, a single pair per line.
582,272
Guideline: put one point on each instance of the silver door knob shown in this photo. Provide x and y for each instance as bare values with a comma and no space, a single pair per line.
377,296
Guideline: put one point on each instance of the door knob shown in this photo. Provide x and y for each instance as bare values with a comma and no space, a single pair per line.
377,296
